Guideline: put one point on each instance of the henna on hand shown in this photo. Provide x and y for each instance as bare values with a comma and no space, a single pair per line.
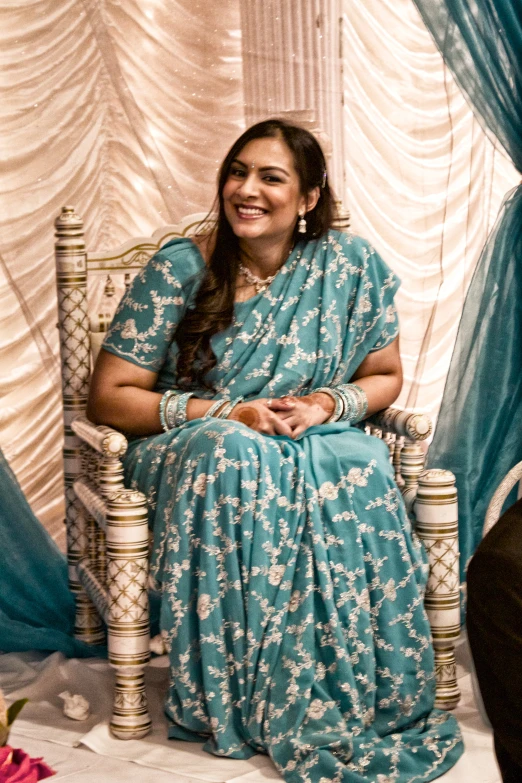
247,415
319,398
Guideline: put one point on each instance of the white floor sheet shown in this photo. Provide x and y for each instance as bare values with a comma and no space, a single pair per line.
84,751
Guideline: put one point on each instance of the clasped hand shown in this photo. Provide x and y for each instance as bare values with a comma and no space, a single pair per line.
288,416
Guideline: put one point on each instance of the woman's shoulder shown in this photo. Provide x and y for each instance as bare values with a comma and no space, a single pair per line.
352,243
178,261
355,249
183,250
358,253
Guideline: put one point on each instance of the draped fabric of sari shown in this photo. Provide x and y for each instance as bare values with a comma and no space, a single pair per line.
292,586
478,434
36,606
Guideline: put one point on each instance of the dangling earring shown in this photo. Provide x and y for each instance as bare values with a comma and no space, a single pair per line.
301,225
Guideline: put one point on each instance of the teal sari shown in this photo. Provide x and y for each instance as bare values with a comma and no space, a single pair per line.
292,585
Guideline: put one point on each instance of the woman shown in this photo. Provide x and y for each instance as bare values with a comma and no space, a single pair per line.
292,587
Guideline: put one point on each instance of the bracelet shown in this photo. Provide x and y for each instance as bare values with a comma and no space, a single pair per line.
362,403
356,402
227,409
214,408
171,410
351,408
349,404
363,399
162,405
338,402
181,408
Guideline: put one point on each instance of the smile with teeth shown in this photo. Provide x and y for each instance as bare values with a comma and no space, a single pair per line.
245,211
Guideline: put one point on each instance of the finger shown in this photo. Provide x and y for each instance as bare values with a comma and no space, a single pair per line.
296,421
284,415
282,404
297,416
299,430
281,427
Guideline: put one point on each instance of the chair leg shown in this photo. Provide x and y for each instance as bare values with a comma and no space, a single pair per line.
436,515
88,626
130,716
128,615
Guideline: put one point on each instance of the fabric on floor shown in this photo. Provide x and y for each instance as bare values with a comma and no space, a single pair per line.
42,729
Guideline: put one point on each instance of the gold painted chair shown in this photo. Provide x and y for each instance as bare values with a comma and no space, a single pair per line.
107,532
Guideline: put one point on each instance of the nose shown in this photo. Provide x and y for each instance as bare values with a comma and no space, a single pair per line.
249,185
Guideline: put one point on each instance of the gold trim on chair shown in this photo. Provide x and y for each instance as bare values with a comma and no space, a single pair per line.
134,254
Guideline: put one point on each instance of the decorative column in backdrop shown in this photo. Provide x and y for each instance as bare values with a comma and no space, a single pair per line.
292,65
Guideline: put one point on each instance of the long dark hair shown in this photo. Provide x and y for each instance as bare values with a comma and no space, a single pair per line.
213,308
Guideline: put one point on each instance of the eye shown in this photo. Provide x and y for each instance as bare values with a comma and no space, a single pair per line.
273,178
236,171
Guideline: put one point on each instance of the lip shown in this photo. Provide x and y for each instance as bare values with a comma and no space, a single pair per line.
245,211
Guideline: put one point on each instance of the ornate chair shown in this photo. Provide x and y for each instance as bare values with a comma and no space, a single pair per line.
107,532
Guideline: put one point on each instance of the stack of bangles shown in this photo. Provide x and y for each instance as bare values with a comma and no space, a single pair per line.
173,408
350,401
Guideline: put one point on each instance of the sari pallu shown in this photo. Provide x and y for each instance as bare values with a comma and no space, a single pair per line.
292,585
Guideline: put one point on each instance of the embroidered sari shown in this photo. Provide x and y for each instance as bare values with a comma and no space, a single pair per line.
292,584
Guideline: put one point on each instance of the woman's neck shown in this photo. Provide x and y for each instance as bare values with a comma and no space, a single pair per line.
265,259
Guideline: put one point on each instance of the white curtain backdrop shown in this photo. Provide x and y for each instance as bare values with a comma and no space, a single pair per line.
124,109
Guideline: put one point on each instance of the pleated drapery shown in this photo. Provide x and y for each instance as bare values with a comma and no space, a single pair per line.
479,432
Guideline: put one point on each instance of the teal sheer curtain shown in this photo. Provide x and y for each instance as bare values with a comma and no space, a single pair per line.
479,431
36,606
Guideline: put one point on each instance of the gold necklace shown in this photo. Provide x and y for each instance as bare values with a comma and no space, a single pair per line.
259,283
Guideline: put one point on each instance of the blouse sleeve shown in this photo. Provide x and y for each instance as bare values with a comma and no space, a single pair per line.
374,311
142,329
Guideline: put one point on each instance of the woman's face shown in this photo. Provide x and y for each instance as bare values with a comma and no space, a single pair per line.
262,196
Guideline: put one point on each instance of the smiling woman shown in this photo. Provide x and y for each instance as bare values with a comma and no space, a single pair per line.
292,584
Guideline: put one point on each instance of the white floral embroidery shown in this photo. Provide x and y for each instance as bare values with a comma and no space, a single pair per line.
317,709
389,590
391,314
357,477
200,484
129,330
328,491
275,574
294,601
204,606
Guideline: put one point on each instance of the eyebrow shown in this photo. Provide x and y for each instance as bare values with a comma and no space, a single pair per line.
263,168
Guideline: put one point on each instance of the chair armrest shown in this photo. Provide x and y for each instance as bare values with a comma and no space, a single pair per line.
416,426
105,440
